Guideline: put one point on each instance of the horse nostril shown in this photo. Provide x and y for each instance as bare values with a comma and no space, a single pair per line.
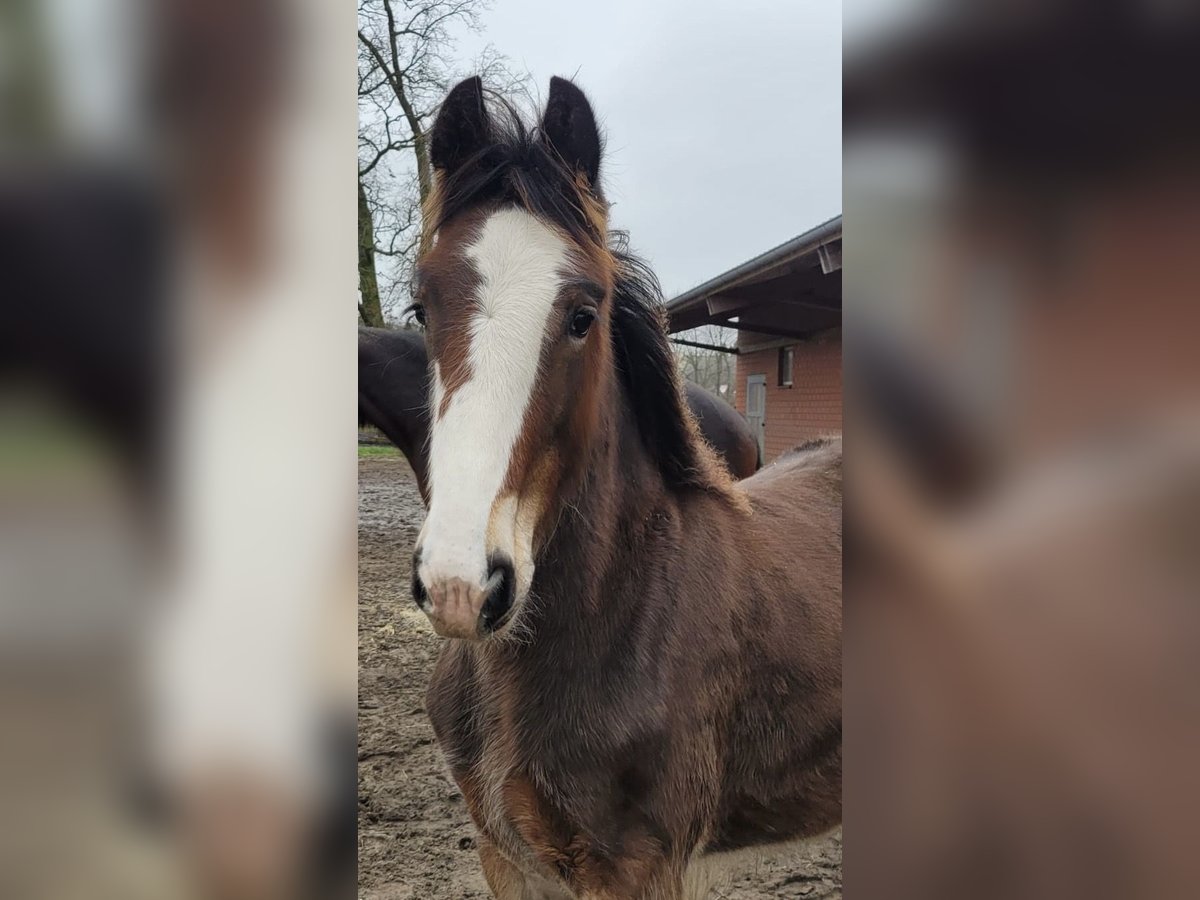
418,588
501,586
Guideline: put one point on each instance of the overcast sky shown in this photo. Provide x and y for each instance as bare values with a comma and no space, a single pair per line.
723,118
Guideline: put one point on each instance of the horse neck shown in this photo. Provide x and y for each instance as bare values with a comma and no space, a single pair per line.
613,496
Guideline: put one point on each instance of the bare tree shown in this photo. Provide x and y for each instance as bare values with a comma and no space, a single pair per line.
710,368
405,67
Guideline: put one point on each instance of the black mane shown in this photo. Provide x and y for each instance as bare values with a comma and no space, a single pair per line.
649,375
517,166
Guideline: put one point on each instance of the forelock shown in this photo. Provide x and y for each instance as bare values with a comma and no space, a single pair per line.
519,168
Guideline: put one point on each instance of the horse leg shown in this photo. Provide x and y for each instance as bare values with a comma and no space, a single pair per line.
510,883
505,879
663,883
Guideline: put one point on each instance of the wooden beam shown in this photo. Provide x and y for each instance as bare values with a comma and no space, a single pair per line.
822,291
725,304
771,329
831,256
805,301
716,347
794,315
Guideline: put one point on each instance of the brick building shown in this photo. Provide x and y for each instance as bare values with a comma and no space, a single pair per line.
786,305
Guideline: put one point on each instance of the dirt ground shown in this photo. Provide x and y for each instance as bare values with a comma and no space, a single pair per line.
415,836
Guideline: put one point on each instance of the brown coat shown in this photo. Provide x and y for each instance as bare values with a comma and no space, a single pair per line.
679,687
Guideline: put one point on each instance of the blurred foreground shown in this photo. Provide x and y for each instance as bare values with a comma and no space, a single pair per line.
177,620
177,640
1022,651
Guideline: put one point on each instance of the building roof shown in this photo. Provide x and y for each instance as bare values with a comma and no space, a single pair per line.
792,290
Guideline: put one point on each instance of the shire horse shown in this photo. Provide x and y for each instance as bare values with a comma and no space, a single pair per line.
393,369
643,664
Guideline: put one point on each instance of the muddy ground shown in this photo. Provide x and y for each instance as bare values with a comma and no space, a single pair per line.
415,837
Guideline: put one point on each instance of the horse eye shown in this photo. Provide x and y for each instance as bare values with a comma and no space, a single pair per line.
581,321
417,312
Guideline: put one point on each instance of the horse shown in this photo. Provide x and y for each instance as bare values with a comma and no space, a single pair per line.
724,429
642,664
393,370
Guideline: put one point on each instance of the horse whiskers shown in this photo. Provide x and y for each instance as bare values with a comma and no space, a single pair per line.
580,517
520,631
557,522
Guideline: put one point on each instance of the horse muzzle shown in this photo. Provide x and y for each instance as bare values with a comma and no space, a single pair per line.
460,609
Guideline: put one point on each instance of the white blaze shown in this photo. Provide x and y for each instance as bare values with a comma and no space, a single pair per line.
519,261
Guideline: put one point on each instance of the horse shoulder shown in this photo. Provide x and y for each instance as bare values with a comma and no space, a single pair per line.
784,711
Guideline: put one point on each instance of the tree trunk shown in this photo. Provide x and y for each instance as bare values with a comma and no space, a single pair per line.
369,308
420,144
424,168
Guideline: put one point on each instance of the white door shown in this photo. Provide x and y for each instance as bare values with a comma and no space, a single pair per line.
756,410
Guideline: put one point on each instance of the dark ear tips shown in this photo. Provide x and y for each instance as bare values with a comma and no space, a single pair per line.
461,128
569,127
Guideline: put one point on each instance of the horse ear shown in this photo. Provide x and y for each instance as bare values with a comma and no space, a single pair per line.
462,127
569,128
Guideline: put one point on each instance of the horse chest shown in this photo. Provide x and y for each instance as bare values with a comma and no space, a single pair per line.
515,799
474,728
524,823
541,838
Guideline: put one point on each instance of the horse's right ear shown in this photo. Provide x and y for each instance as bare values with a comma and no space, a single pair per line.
462,127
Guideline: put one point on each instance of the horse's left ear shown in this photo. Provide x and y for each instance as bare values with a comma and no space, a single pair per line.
569,128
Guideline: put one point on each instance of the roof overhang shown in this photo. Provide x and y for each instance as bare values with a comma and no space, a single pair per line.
793,290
